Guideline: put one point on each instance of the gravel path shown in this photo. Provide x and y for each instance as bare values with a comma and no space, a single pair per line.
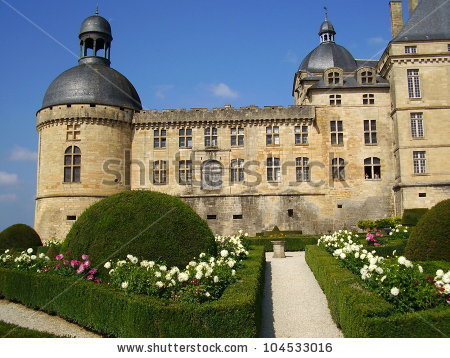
294,305
25,317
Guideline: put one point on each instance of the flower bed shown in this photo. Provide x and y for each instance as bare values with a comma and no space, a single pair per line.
113,312
360,312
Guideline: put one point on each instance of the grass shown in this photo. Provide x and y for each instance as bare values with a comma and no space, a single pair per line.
8,330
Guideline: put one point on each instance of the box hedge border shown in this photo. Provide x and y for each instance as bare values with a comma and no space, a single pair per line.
114,313
364,314
292,243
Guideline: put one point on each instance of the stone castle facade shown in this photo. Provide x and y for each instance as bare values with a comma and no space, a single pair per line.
364,139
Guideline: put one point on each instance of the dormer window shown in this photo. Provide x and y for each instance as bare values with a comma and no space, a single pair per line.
366,76
333,78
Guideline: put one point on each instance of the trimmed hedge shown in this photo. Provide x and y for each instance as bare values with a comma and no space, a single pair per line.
387,249
12,331
112,312
19,235
362,313
146,224
412,216
292,243
430,239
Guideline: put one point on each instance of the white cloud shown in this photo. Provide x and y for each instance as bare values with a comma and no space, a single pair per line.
222,90
22,154
8,178
7,197
161,91
377,40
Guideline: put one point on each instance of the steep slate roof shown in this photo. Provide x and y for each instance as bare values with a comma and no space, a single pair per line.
430,21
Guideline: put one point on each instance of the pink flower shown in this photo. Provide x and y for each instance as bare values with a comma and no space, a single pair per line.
93,271
84,257
74,263
59,257
97,281
90,277
81,269
68,253
376,244
65,262
369,237
57,266
87,264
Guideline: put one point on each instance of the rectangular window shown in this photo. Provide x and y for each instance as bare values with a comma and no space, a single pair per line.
237,137
211,137
160,172
370,132
419,162
410,49
335,99
368,99
302,169
273,135
71,217
414,84
73,132
273,169
237,170
211,217
417,125
159,138
337,132
185,172
237,216
301,135
185,138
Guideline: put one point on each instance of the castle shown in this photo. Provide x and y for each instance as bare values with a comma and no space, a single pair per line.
364,139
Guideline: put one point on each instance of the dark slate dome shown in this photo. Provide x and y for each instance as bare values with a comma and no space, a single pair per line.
326,26
92,83
326,55
96,23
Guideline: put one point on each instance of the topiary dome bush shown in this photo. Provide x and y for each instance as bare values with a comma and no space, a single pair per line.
19,236
430,240
145,224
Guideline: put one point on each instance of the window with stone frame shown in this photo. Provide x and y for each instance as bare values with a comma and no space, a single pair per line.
301,134
72,164
417,125
159,138
185,172
73,132
368,98
185,138
370,132
212,175
372,168
410,49
334,78
338,169
414,84
273,169
237,136
237,170
211,138
337,132
367,77
302,169
335,99
273,135
419,162
160,172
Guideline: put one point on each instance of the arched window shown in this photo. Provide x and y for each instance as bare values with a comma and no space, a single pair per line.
72,165
338,168
367,77
372,168
302,169
237,170
333,78
212,173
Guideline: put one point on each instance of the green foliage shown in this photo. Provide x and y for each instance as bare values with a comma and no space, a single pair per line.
292,243
387,222
146,224
19,236
366,224
12,331
430,239
412,216
362,313
115,313
389,247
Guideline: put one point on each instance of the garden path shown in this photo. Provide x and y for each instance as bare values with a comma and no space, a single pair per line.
294,305
22,316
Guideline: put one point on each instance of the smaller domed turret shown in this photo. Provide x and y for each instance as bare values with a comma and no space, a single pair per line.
327,32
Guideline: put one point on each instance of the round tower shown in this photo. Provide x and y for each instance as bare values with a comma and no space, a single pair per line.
85,130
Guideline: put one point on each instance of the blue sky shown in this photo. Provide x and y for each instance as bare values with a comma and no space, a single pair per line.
178,54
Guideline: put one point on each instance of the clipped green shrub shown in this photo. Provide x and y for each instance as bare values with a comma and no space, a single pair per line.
387,223
292,243
19,236
412,216
430,240
145,224
366,224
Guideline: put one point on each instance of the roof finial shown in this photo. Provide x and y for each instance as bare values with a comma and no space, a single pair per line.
326,13
96,10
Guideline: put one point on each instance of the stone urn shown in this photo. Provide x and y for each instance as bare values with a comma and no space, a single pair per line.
278,249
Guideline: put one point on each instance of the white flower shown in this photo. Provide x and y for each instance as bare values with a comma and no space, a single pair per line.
379,270
373,260
163,268
33,257
207,294
246,234
233,272
439,273
183,276
107,265
420,268
342,256
30,250
446,278
6,251
216,279
202,255
231,263
401,260
111,272
159,284
393,252
168,276
395,291
199,275
192,263
224,253
157,274
124,285
363,256
41,255
383,278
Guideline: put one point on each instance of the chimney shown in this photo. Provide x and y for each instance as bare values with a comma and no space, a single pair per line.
396,17
412,4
